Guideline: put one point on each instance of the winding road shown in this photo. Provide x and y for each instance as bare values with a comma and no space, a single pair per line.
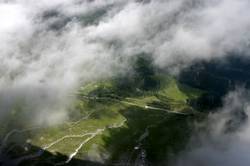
89,135
72,155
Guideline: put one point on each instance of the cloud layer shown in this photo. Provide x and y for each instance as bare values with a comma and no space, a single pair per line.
225,140
48,49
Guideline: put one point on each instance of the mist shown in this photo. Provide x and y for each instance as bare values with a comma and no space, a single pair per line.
51,48
224,138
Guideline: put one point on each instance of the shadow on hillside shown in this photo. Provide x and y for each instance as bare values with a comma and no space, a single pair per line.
216,77
46,159
150,138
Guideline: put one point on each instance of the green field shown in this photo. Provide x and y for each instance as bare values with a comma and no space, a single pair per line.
108,124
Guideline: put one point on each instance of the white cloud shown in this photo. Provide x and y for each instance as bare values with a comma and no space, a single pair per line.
224,138
54,44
